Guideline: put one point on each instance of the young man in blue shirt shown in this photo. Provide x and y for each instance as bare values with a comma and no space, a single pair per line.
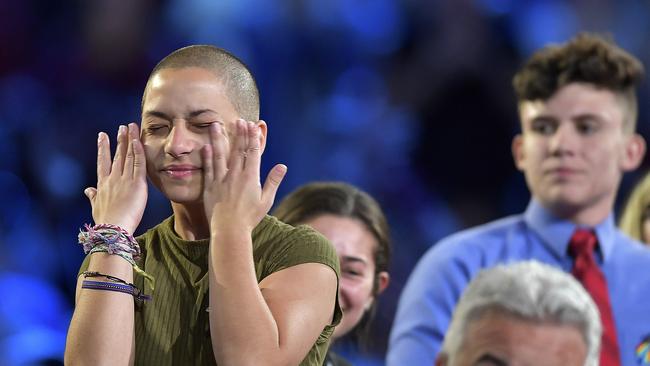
578,110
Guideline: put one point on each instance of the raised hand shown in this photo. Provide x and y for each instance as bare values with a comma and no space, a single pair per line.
232,194
121,193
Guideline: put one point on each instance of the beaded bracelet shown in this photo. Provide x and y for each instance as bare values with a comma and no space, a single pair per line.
117,287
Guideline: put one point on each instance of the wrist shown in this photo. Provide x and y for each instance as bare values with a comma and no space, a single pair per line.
231,234
129,228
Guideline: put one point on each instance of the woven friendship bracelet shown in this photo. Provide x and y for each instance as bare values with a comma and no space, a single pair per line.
117,287
112,239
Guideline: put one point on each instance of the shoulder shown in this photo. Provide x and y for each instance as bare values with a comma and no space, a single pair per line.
630,250
454,260
273,233
486,238
281,245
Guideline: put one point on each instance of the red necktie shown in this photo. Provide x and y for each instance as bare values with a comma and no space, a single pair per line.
585,269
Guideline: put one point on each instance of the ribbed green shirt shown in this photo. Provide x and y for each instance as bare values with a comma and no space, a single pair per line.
173,328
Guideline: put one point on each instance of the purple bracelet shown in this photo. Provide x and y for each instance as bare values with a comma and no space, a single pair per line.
117,287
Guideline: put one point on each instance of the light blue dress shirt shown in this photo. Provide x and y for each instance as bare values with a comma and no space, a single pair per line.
437,282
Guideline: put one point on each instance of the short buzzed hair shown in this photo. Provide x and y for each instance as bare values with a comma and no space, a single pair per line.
527,291
239,82
586,58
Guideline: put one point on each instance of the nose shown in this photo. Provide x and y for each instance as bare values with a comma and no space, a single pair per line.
179,141
563,141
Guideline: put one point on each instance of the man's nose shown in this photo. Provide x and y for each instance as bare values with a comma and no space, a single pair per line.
563,141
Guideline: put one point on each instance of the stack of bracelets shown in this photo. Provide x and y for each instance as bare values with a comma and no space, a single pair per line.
112,239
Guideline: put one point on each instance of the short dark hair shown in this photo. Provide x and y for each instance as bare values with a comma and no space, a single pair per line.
587,58
341,199
240,84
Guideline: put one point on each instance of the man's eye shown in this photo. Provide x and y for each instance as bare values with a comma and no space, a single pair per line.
352,272
543,127
587,128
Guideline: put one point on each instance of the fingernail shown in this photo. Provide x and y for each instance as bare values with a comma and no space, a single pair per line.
120,130
99,138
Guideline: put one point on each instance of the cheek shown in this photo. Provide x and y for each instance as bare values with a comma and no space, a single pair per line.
357,293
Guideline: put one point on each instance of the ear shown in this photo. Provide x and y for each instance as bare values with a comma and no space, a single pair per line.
518,151
382,281
634,152
263,131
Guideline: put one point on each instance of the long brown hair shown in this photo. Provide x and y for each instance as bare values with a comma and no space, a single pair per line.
341,199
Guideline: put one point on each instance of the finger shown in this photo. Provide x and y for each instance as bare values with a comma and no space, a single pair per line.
272,183
139,160
208,170
130,157
219,145
90,192
103,156
239,146
253,152
120,150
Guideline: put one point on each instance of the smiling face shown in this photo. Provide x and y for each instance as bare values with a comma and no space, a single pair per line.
179,105
573,151
355,246
496,339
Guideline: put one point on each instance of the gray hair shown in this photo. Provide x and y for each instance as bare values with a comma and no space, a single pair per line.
531,291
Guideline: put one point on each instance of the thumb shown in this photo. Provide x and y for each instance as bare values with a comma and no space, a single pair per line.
272,183
90,192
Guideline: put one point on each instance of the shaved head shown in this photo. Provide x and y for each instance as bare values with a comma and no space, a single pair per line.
240,85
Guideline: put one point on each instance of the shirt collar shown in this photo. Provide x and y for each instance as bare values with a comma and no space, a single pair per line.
556,232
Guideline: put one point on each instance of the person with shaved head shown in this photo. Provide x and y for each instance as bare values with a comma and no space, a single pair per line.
219,281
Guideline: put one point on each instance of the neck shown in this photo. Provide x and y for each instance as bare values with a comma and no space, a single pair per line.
589,215
190,222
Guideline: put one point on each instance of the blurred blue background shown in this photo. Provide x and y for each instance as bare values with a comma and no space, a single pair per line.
408,99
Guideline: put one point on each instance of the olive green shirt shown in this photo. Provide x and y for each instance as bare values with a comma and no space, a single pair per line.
173,328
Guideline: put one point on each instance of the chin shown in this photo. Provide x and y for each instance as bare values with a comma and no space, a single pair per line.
182,196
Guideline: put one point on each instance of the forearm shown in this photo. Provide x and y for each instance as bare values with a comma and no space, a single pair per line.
102,326
242,326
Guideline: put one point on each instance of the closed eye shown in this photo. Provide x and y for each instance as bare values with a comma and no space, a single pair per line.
154,128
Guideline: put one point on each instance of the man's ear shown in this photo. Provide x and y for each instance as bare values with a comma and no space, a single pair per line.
263,131
634,152
518,151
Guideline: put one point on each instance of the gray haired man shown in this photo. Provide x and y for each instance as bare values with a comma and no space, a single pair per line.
525,313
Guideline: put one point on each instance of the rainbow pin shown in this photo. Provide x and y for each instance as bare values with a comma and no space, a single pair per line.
643,352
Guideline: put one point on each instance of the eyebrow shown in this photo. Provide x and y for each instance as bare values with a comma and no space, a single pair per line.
163,115
492,359
354,259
